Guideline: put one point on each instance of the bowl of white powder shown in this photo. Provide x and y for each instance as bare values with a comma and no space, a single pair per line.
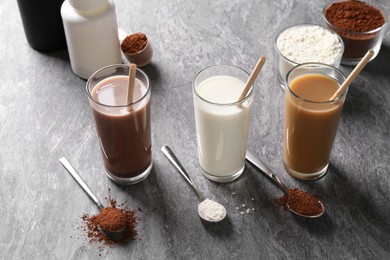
303,43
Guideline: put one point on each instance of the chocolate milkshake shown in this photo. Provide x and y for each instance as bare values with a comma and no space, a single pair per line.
124,130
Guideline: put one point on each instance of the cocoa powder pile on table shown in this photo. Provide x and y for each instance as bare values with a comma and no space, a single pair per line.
113,217
95,235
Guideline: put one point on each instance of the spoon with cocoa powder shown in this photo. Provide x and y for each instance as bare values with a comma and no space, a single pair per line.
113,231
298,202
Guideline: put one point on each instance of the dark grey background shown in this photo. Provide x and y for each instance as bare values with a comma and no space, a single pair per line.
44,115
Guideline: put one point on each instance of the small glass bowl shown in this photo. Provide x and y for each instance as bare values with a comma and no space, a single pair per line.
358,43
284,64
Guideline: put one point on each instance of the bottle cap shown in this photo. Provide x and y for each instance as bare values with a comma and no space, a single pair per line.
86,5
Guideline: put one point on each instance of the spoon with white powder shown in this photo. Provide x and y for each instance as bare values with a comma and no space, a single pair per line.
208,210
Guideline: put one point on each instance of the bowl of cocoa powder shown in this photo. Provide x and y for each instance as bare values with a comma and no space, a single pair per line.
137,49
360,24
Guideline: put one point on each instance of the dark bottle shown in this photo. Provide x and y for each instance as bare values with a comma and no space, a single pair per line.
42,24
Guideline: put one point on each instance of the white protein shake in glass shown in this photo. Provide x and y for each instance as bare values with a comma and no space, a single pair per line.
222,124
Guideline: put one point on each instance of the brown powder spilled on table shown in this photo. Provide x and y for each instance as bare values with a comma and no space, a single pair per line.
90,225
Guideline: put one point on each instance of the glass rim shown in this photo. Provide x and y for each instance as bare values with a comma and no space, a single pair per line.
318,64
305,24
249,94
380,7
117,106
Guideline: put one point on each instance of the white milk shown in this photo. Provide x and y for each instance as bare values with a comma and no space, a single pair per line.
222,127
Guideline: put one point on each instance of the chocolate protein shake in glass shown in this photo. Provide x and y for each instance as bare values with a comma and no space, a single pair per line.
123,128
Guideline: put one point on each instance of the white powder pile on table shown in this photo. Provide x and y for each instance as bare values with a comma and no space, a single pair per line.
211,211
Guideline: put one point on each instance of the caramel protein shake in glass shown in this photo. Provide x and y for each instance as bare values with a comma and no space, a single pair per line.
311,118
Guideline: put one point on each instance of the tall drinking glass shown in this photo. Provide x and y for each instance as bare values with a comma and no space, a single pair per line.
311,118
222,121
123,128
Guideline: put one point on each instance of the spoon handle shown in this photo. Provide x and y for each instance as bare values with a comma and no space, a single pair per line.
257,163
173,159
80,181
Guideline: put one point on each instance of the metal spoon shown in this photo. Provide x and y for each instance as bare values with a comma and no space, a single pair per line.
257,163
113,235
203,214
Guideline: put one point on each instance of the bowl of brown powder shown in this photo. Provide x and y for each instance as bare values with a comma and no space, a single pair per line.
360,24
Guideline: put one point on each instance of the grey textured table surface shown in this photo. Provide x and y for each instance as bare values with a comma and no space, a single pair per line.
44,114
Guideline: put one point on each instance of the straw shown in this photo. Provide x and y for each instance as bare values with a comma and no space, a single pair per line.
353,74
253,77
130,91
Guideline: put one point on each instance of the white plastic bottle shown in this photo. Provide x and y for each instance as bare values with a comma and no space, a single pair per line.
91,32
